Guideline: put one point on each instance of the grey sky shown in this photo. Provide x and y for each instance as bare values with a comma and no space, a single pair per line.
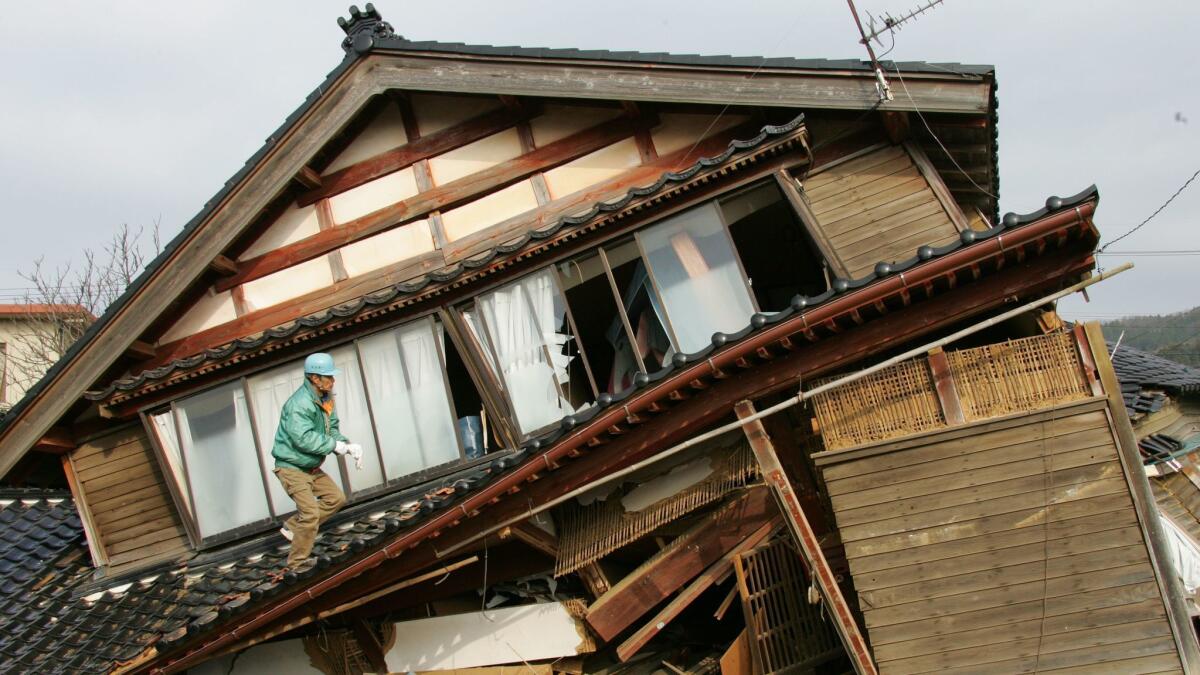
127,112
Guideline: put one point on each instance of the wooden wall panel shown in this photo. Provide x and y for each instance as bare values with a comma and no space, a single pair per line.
131,513
1012,548
879,207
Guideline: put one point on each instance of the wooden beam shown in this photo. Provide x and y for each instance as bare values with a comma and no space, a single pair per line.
943,384
417,149
1173,594
307,178
369,644
700,547
441,198
223,265
806,539
532,536
56,441
727,85
934,178
787,185
140,350
595,579
687,596
897,125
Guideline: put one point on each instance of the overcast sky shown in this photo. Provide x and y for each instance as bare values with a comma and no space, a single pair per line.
132,112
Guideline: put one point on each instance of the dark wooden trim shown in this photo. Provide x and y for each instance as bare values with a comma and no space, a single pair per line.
708,578
416,149
223,265
1173,593
532,536
140,350
806,539
307,178
943,385
931,175
56,441
441,198
897,123
659,578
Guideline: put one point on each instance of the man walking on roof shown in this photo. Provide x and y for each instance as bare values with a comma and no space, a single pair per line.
308,431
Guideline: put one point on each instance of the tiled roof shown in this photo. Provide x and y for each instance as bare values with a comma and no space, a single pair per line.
1145,376
37,309
55,618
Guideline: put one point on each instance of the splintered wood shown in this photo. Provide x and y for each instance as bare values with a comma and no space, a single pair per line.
593,531
990,381
1017,375
897,401
786,632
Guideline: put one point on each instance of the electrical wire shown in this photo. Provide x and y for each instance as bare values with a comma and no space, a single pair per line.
1151,216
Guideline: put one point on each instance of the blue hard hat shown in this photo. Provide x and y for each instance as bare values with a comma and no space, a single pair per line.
320,364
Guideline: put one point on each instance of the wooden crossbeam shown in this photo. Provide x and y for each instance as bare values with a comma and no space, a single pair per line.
708,578
414,151
700,547
441,198
223,265
943,385
140,350
810,547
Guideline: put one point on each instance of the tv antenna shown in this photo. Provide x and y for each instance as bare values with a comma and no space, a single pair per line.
888,24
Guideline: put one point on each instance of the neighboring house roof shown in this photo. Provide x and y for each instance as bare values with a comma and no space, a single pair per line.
10,311
1144,377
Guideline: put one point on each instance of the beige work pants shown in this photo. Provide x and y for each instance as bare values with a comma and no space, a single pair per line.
317,498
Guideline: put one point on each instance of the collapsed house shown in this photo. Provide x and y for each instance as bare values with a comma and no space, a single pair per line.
560,285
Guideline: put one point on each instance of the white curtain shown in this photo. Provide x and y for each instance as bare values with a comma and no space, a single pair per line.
694,266
168,439
354,417
406,379
218,447
523,321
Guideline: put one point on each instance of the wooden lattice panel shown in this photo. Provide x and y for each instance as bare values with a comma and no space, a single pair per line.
593,531
787,633
1018,375
894,402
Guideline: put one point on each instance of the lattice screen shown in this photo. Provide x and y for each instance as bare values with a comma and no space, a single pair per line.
896,401
787,632
1018,375
590,532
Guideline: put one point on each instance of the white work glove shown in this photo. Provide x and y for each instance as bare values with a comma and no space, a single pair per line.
355,451
341,447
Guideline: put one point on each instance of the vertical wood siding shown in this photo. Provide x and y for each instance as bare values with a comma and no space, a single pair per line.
130,507
1005,546
877,208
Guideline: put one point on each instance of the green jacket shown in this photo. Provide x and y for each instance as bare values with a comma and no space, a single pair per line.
305,434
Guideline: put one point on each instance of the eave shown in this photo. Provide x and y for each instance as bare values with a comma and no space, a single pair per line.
1021,259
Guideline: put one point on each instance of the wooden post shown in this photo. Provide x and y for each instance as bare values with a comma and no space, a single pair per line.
943,384
369,644
1143,501
810,548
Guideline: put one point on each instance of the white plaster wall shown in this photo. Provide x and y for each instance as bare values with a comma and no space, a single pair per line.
295,224
18,334
510,635
559,121
385,132
483,213
288,283
593,168
210,310
373,195
477,156
679,131
435,112
387,248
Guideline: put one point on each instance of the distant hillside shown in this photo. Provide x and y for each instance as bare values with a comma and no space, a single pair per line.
1174,336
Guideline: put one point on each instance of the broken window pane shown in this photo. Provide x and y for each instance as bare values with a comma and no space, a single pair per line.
218,447
590,297
647,319
413,416
533,349
773,246
695,270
